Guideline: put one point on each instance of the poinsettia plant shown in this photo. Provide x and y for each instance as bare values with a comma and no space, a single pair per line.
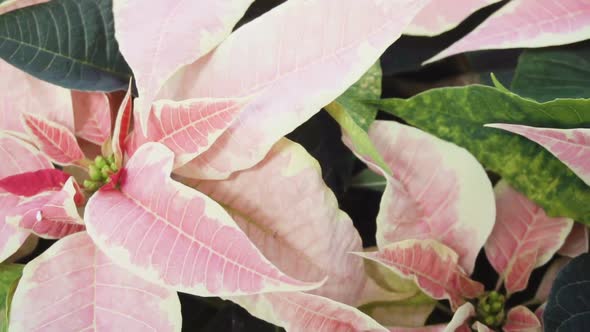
172,160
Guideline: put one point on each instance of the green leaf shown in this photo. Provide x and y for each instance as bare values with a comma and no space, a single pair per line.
70,43
368,179
367,87
548,74
568,308
9,275
458,115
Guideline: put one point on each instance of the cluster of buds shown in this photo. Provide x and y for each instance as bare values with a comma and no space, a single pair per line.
490,309
100,172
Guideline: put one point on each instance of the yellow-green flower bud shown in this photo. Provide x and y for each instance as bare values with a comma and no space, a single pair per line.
99,161
105,171
94,173
90,185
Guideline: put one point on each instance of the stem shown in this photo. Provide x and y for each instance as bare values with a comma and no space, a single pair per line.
443,308
499,283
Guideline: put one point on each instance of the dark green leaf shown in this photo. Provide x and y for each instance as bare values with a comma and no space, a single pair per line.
568,307
70,43
459,114
553,73
9,275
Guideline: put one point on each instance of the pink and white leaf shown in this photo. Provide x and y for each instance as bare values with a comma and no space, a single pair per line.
177,236
443,15
92,115
521,319
188,127
53,139
540,311
437,190
457,324
73,286
164,36
433,266
122,127
571,146
479,327
576,242
288,78
527,23
301,312
428,328
544,288
294,219
524,237
10,5
18,157
51,215
22,93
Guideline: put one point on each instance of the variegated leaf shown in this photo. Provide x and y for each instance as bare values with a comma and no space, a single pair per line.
301,312
92,115
289,213
18,157
571,146
289,78
177,236
527,23
10,5
524,237
22,93
437,190
521,319
74,287
53,139
576,242
122,127
188,127
51,215
158,37
432,265
443,15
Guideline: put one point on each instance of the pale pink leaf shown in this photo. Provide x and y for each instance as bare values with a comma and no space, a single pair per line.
457,324
433,266
10,5
17,157
301,312
92,116
22,93
576,242
527,23
74,287
571,146
289,78
158,37
524,237
521,319
547,282
53,139
443,15
437,190
189,127
479,327
122,127
540,311
289,213
177,236
51,215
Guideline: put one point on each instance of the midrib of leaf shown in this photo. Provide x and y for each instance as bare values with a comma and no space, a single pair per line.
80,61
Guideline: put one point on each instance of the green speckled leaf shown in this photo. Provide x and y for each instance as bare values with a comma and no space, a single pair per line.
70,43
367,87
9,275
458,115
548,74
